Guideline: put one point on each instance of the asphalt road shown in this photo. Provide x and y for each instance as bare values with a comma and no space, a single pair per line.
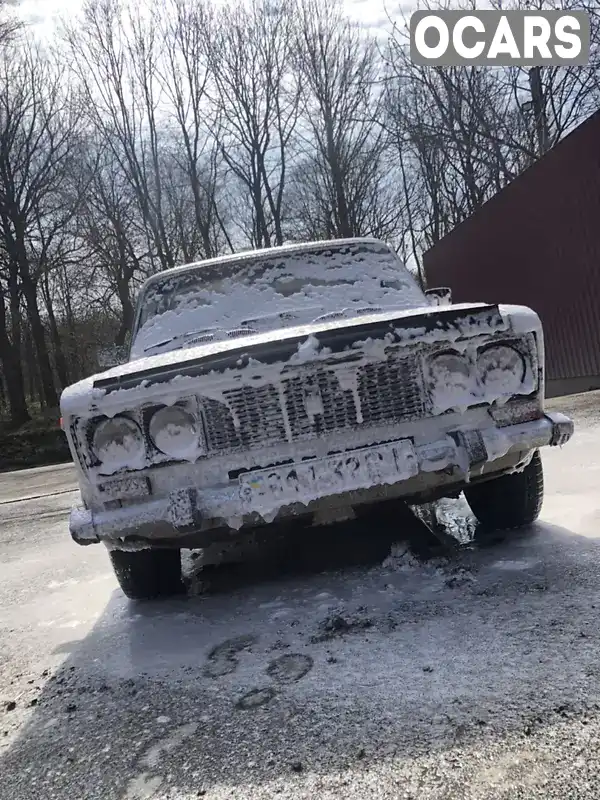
351,673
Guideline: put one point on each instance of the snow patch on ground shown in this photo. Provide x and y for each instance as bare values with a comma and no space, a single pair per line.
143,787
400,559
515,565
168,744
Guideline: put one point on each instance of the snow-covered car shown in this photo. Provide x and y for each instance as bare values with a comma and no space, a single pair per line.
302,382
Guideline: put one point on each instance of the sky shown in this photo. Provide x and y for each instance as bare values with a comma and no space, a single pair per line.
372,13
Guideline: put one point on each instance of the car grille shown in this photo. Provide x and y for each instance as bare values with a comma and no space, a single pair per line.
350,397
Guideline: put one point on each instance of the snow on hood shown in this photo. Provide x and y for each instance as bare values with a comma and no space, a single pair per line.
269,291
81,397
198,352
78,397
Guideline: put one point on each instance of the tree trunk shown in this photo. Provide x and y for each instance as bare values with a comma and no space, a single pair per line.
13,374
127,315
14,293
72,349
32,388
539,109
60,360
344,229
39,338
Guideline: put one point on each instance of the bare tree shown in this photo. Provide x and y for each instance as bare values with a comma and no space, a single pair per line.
194,150
467,132
10,26
440,112
554,100
36,135
257,104
115,55
343,134
111,230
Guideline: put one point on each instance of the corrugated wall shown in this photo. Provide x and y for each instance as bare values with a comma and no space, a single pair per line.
537,243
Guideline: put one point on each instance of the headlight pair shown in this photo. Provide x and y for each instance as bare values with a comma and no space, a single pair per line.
499,372
118,442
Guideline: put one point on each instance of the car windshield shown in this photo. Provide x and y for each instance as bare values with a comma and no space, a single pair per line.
250,295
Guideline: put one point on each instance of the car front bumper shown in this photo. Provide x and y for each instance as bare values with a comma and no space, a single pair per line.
449,461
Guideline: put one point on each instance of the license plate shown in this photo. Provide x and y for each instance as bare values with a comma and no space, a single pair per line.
304,482
125,488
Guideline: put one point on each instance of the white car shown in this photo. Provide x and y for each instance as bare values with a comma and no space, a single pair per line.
303,382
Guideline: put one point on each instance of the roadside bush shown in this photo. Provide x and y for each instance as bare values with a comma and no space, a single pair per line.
33,448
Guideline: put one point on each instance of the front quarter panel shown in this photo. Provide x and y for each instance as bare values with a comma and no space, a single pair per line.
524,320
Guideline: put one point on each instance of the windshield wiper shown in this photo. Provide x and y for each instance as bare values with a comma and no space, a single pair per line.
159,344
221,333
204,335
289,314
177,337
348,311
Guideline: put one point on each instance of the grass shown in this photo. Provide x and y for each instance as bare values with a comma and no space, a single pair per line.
38,443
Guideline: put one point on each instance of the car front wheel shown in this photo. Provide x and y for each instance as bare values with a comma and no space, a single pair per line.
147,574
511,501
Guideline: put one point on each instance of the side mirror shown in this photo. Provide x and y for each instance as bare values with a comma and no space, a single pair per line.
441,296
112,356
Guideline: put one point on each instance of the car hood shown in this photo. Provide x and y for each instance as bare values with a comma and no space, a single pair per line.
429,323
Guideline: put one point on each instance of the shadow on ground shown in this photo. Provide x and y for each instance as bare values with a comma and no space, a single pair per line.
323,656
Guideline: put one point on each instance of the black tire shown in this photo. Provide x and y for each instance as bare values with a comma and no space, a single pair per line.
147,574
512,501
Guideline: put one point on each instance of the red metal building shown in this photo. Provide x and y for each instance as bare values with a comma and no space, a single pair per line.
537,243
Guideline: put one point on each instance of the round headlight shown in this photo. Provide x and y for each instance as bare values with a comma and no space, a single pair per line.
118,443
175,432
501,370
452,384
